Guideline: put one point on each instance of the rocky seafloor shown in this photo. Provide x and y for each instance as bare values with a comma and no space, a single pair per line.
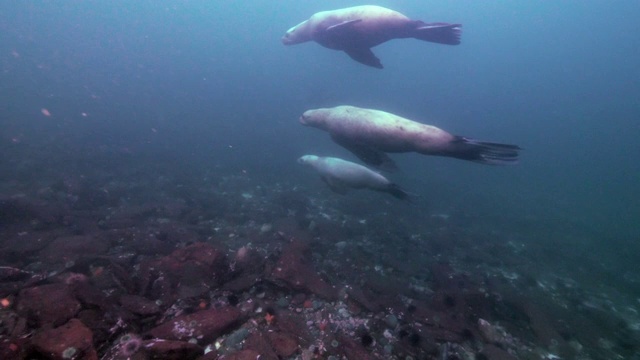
235,266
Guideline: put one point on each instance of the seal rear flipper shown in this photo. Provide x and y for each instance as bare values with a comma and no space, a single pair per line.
368,155
483,152
364,56
441,33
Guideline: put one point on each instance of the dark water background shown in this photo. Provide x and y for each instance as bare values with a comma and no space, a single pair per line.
207,86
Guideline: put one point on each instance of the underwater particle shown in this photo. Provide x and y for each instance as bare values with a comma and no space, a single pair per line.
5,302
45,112
69,353
366,340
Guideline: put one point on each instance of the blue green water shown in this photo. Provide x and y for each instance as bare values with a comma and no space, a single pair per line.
209,84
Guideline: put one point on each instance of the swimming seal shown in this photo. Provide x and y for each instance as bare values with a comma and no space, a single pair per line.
355,30
340,175
370,134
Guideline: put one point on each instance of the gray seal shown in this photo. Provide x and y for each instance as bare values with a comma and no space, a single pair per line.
371,134
341,175
355,30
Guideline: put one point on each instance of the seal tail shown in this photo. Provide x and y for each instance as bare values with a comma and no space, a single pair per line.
484,152
441,33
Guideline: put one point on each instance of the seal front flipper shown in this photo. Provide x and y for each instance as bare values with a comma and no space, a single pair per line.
335,185
367,154
343,26
364,56
397,192
441,33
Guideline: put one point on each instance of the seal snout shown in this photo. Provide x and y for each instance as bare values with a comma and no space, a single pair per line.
286,39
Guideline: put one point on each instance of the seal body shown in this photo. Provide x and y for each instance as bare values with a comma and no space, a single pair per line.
355,30
370,134
340,175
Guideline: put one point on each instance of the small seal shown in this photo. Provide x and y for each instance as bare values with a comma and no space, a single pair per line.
370,134
341,175
355,30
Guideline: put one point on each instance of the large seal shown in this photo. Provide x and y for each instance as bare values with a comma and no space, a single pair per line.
370,134
340,175
355,30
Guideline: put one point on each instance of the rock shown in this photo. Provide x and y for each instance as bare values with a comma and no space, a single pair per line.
295,271
186,272
25,244
352,349
258,342
493,352
243,355
205,325
139,305
283,344
48,304
72,340
68,249
172,350
364,298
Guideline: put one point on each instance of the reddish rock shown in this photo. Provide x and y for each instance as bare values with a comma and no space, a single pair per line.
48,304
365,298
352,349
187,272
25,244
258,342
243,355
172,350
12,350
72,340
296,271
205,325
139,305
283,344
294,324
543,327
493,352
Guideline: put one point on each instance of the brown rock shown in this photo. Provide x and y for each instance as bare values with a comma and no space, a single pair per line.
172,350
72,340
283,344
205,325
48,304
295,271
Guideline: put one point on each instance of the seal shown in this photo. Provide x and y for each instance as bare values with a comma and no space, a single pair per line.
340,175
355,30
370,134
